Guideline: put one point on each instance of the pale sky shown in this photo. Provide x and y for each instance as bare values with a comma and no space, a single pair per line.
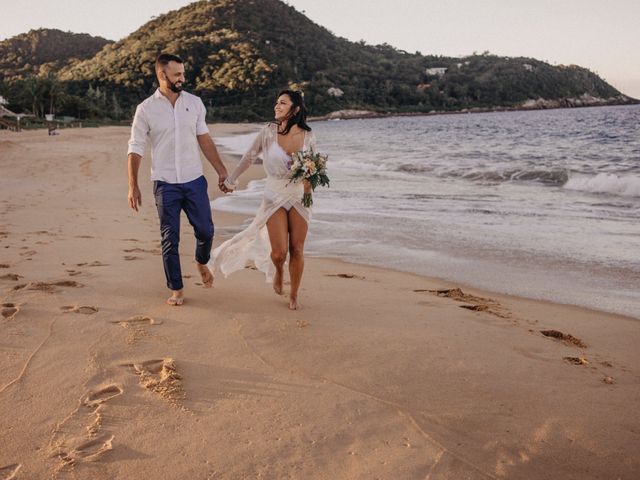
602,36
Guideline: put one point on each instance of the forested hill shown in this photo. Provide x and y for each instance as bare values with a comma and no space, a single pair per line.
39,52
239,53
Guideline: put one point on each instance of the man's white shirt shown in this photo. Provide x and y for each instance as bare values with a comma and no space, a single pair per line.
173,131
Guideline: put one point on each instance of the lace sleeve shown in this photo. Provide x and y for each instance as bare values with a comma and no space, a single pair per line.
247,159
312,141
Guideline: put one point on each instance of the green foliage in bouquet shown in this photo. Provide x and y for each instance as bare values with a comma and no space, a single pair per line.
312,167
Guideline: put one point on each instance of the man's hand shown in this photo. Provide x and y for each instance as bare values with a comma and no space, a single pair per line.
221,179
211,154
135,198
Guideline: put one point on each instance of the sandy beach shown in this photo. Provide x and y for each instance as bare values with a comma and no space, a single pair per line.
381,374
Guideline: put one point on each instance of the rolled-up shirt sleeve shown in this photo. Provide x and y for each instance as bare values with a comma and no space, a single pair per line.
201,126
139,132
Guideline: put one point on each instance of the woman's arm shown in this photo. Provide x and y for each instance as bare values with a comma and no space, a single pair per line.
247,159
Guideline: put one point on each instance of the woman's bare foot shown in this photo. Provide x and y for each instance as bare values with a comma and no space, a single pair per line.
176,299
277,281
293,303
205,273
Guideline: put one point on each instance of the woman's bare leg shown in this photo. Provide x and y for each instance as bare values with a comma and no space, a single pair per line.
297,234
278,229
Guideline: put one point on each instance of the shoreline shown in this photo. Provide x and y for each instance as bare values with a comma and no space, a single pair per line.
381,374
354,114
235,220
540,104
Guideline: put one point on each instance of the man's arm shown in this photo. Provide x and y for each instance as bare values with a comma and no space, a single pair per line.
211,153
135,197
137,142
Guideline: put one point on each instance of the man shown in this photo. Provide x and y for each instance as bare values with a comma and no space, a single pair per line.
174,121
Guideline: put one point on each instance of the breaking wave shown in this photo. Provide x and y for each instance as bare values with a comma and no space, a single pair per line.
606,183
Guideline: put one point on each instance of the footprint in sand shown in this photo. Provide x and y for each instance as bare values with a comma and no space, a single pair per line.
93,399
576,360
9,310
79,437
97,263
9,472
4,265
155,251
137,320
136,326
11,276
565,338
345,275
49,287
86,310
29,253
478,304
161,377
87,450
73,273
131,257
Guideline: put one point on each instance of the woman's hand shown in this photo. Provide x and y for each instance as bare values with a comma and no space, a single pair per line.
307,186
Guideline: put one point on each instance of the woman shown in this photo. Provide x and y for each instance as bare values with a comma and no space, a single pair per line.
280,226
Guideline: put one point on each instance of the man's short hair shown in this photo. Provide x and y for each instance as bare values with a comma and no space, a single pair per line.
164,59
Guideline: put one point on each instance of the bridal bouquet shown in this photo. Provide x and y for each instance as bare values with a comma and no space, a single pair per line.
311,166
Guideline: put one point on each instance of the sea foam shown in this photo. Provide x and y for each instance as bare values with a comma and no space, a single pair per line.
608,183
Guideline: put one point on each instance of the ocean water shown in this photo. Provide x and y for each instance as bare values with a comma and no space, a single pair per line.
542,204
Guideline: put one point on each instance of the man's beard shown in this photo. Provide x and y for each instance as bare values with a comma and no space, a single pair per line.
173,87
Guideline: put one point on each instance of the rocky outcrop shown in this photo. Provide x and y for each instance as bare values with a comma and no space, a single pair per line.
584,100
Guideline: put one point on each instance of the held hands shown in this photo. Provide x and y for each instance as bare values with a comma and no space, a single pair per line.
222,186
135,198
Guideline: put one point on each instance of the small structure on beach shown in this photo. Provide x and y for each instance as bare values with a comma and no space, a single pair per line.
5,112
7,117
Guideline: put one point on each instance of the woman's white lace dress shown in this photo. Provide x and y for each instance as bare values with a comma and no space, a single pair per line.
252,244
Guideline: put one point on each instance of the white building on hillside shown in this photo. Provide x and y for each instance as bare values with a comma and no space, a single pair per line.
439,71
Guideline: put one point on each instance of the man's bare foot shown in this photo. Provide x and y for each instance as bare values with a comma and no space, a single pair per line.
176,299
293,303
277,281
205,273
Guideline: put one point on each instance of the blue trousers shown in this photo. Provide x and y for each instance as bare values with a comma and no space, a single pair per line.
171,199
